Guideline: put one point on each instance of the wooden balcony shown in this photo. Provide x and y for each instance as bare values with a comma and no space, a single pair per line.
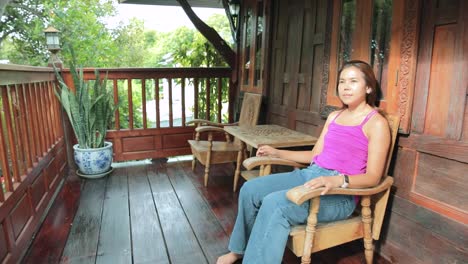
149,211
36,139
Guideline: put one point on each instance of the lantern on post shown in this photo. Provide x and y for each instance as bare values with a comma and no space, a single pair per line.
53,45
234,9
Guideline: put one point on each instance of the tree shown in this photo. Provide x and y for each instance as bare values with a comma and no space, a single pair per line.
21,26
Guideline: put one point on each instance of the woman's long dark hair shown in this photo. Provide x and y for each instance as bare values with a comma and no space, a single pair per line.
369,77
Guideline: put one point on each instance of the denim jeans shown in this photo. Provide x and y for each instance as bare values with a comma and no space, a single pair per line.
265,215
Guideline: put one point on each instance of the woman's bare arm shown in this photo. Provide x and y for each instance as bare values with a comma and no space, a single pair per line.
298,156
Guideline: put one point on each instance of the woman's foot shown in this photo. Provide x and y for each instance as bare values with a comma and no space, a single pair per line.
228,258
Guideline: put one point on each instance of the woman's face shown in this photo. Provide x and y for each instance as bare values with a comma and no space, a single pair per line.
352,87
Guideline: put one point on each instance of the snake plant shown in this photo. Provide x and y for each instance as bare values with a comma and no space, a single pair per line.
89,110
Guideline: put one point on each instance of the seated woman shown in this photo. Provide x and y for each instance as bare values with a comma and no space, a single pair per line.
350,152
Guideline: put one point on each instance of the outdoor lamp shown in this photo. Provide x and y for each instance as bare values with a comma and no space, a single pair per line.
234,8
53,45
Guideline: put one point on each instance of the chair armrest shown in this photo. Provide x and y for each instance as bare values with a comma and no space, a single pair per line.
300,194
202,129
253,162
208,123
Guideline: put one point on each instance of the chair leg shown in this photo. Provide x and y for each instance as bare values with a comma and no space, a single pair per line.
238,166
207,171
310,230
367,223
207,164
194,162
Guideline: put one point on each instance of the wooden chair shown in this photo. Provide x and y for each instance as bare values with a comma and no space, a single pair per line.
313,237
209,152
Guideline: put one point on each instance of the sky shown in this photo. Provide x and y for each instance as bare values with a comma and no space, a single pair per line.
160,18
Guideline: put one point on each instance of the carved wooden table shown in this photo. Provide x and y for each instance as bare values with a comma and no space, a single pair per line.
272,135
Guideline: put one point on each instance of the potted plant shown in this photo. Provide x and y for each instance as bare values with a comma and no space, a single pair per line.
90,108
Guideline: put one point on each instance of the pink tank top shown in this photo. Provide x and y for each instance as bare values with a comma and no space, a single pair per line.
345,148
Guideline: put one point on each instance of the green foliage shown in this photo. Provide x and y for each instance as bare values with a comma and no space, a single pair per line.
81,23
90,110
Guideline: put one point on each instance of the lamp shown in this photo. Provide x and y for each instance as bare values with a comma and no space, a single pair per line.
234,9
53,45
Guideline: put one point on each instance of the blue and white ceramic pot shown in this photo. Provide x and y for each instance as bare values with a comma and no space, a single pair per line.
95,162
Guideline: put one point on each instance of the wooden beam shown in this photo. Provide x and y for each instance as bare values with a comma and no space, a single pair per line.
209,33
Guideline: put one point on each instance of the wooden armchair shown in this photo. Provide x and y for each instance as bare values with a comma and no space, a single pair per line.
366,224
209,152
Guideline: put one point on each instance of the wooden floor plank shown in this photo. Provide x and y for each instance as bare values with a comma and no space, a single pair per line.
187,211
82,243
211,235
218,193
51,238
182,244
114,240
147,237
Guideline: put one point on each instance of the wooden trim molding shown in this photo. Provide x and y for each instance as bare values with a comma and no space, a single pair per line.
442,208
408,63
326,58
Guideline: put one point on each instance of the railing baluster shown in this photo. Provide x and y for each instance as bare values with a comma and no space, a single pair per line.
182,92
220,98
156,98
43,109
50,118
17,127
32,116
143,102
24,127
130,103
116,101
46,116
208,99
57,109
11,138
171,118
3,150
196,86
55,112
39,122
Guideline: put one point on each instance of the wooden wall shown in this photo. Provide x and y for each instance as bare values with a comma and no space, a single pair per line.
429,214
298,52
427,85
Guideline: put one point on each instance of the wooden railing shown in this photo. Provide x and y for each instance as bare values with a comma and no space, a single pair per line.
32,153
155,104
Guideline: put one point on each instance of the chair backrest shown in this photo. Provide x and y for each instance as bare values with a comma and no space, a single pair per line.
394,123
380,200
250,109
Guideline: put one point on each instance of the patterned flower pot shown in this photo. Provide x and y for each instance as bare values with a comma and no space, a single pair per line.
95,162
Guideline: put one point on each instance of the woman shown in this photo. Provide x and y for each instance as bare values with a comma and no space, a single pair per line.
350,152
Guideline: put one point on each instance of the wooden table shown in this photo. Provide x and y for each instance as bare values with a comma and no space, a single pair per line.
272,135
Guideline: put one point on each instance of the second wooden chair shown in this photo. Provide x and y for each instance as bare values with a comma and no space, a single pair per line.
209,151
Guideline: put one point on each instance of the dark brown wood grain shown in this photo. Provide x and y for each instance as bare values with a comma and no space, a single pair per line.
147,236
161,209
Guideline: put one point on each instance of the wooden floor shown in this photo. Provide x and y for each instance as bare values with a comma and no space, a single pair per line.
150,212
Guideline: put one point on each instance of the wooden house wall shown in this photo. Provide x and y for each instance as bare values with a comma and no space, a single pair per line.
426,82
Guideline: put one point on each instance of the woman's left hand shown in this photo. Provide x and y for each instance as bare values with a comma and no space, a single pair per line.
328,182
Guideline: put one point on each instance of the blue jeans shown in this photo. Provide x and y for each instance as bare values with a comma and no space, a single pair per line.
265,214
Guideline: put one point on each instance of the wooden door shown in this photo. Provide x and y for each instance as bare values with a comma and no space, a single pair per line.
297,59
436,152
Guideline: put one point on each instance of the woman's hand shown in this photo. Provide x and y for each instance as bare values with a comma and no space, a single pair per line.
328,182
267,151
